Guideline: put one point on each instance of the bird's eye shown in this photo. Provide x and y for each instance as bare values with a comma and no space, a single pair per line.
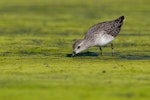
78,47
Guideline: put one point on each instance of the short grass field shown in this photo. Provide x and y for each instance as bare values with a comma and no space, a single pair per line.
36,38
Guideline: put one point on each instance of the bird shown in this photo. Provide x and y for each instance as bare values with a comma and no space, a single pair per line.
99,35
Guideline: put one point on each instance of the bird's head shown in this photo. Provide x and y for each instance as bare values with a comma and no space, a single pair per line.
78,47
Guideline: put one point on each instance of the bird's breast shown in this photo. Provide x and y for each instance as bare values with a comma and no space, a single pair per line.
103,39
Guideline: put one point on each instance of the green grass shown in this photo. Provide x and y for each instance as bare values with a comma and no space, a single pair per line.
36,38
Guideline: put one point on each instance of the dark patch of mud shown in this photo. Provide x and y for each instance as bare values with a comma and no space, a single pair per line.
108,56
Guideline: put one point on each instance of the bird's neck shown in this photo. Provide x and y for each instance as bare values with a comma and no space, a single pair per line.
87,43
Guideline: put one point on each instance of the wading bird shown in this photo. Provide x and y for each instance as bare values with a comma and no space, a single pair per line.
99,35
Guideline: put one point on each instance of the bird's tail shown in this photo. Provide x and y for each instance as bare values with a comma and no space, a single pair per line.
120,19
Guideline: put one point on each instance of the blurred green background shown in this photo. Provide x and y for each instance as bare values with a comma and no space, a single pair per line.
36,37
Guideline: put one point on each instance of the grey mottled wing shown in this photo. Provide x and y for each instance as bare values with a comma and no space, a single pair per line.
111,27
95,29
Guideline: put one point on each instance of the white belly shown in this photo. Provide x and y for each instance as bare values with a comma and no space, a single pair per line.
103,39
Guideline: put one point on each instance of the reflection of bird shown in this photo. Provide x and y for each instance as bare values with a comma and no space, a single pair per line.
99,35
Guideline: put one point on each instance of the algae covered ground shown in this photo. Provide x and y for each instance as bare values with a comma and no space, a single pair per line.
36,38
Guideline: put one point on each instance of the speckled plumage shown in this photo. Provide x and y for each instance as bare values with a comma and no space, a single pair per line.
99,35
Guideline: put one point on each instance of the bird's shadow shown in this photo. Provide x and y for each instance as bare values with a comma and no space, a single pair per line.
83,54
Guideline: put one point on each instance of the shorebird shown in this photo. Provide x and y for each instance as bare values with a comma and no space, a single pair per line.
99,35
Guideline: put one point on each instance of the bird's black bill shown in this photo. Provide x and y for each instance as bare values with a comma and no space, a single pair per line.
73,54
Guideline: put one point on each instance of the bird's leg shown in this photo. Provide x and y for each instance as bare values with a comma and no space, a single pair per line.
101,51
112,47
